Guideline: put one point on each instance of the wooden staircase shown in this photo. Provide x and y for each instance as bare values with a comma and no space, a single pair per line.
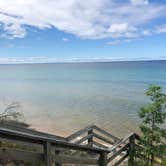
94,136
89,146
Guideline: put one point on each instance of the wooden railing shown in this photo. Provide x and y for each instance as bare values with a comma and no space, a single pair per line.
89,146
119,149
123,149
93,136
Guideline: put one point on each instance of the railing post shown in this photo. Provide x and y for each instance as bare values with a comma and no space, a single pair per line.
90,140
57,152
131,150
103,159
47,153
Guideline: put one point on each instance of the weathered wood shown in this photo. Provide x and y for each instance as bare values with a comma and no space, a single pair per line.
78,133
103,159
121,142
118,153
84,139
99,145
26,137
129,145
57,152
106,133
103,139
121,160
90,139
47,154
30,131
131,150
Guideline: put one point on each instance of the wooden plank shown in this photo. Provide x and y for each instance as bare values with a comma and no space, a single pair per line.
47,153
117,153
99,145
78,133
106,133
84,139
103,139
121,142
121,160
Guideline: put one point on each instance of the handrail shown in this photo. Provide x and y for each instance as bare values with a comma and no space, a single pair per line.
121,142
121,160
105,133
103,138
30,131
84,139
23,136
118,152
124,145
78,133
93,132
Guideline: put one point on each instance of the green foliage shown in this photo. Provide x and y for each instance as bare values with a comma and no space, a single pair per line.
11,112
153,115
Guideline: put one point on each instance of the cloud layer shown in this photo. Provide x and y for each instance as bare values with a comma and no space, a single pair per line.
94,19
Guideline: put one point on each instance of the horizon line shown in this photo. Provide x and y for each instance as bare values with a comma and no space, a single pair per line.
83,61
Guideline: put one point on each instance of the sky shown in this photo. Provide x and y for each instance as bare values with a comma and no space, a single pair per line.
39,31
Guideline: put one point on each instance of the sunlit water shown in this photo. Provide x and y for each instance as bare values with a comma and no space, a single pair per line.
61,98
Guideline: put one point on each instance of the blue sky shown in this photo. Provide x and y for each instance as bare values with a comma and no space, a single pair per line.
97,30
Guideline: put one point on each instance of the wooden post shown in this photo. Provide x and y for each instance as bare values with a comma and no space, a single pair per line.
57,152
90,140
131,150
103,159
47,153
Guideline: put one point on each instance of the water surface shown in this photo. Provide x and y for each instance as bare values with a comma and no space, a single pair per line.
61,98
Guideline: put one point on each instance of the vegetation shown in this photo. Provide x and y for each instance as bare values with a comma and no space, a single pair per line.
153,139
11,115
11,112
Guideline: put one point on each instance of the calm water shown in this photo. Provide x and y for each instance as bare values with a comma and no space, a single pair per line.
61,98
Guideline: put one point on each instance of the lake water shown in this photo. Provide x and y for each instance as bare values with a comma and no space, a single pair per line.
61,98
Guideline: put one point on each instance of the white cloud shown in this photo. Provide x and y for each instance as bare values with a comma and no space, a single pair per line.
65,39
94,19
121,41
14,30
161,28
120,28
115,42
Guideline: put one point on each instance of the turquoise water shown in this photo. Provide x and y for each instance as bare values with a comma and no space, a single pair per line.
61,98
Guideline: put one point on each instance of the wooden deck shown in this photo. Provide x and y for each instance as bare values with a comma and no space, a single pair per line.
89,146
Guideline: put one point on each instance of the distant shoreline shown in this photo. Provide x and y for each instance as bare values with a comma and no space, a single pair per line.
78,62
